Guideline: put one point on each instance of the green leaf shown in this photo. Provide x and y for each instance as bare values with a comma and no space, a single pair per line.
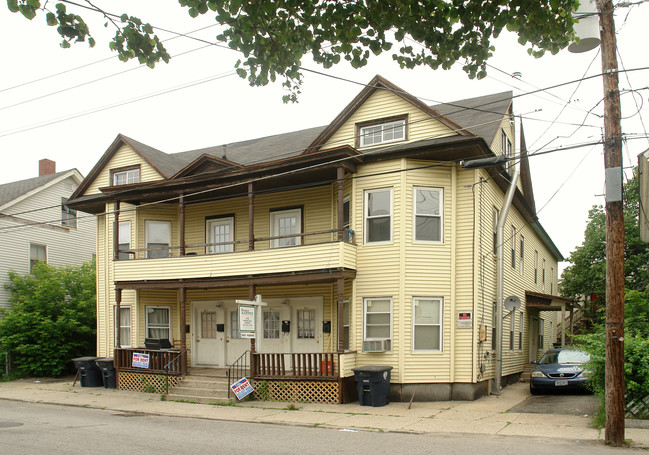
51,19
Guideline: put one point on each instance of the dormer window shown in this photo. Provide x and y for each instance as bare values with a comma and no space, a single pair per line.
381,132
126,176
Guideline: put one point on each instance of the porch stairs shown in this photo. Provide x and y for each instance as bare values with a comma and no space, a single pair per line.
201,385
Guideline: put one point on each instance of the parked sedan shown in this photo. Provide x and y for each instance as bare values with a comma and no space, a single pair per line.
560,369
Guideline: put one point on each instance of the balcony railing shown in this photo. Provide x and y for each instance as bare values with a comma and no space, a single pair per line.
160,361
319,365
260,243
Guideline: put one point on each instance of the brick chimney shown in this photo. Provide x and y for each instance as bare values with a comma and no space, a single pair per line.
46,167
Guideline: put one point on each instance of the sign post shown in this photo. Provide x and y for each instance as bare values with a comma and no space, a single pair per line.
250,322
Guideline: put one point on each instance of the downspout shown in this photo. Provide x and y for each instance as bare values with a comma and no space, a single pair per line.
500,271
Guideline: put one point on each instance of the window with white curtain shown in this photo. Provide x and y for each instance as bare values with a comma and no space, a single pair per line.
123,324
158,238
427,324
158,322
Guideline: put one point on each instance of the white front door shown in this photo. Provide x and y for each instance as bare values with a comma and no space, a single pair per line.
306,330
208,334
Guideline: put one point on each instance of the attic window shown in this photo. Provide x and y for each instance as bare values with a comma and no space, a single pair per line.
126,176
382,132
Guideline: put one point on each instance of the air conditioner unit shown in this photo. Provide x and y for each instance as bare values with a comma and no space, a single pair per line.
376,345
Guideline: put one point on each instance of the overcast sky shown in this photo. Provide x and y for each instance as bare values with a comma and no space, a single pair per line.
83,98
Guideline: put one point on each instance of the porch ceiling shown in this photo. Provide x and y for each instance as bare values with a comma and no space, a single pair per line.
546,302
314,276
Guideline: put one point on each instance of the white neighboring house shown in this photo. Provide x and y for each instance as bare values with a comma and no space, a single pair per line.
36,224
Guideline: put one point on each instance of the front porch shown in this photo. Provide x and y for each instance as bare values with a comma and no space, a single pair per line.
322,377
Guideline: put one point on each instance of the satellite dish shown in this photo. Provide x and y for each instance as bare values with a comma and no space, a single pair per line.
512,303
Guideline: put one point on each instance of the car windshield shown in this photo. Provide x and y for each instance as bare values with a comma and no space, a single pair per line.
564,357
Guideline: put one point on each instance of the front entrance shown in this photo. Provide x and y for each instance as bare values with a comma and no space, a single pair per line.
208,347
306,333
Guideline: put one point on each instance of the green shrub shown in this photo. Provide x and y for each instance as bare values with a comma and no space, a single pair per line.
51,321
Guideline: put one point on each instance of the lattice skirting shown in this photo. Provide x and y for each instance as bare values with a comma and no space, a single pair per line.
152,383
296,391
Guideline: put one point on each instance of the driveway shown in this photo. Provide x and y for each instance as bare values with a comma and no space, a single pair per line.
559,403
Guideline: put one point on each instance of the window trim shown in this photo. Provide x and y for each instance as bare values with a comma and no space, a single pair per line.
118,326
358,142
536,267
221,219
266,329
440,301
520,330
68,215
146,321
521,255
366,217
365,302
123,170
415,214
32,261
146,236
124,256
513,243
274,213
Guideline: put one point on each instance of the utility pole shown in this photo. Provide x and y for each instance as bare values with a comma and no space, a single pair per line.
614,390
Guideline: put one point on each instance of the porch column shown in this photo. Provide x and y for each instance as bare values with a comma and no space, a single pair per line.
182,227
251,223
118,318
340,174
563,324
252,291
340,285
116,232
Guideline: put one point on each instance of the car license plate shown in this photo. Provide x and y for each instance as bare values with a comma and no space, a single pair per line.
560,382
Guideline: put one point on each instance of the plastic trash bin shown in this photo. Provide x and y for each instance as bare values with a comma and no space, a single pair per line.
89,372
373,384
108,372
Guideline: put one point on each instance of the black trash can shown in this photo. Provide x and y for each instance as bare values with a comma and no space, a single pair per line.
89,372
373,384
108,372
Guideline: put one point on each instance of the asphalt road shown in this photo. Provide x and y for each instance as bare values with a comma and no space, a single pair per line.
34,428
581,404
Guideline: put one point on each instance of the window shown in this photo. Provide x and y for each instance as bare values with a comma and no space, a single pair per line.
346,324
428,214
512,327
284,223
378,215
513,242
68,215
378,319
158,238
382,133
427,324
208,325
521,255
305,324
551,280
541,337
520,331
348,235
506,146
234,325
494,324
495,230
158,322
126,176
536,267
123,324
543,275
36,253
271,325
220,235
124,239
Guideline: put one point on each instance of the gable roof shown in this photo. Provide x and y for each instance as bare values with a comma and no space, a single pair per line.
11,193
378,83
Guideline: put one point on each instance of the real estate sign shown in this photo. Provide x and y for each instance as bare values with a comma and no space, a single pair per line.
247,326
242,388
140,360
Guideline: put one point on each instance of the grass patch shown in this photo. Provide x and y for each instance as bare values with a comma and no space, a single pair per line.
292,407
222,403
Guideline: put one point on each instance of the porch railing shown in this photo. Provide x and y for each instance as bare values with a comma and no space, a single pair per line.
239,369
319,365
170,362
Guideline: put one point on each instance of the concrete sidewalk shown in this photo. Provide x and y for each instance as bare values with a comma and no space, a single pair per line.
488,415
